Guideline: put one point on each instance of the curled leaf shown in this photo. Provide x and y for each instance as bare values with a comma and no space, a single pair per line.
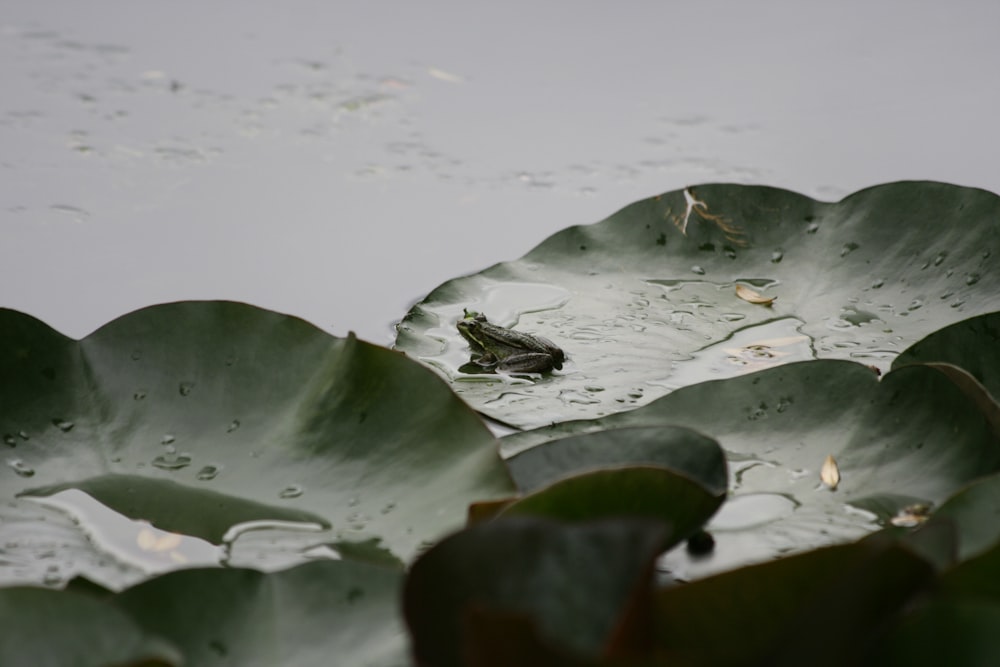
752,296
829,474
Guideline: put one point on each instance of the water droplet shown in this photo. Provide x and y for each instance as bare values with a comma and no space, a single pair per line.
185,388
9,440
729,252
813,226
878,283
731,317
777,256
698,270
20,467
63,425
972,279
233,425
136,355
940,258
139,395
848,248
915,304
172,461
352,501
292,491
24,435
208,473
52,578
167,438
388,508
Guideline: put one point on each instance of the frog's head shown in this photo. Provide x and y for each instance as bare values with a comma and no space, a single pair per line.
470,328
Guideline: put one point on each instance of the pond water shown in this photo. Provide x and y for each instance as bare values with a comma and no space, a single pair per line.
337,161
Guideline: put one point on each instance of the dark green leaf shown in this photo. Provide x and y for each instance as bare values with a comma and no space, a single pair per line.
316,614
44,628
265,410
911,437
680,449
972,344
634,491
645,301
824,607
570,582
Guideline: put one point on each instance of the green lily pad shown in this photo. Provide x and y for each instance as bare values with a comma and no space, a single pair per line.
679,449
571,583
824,607
956,624
974,511
649,492
246,414
314,614
310,615
46,627
912,437
972,344
645,301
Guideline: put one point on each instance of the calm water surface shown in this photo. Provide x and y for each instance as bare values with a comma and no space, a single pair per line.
337,161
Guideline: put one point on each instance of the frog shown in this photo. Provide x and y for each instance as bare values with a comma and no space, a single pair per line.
496,348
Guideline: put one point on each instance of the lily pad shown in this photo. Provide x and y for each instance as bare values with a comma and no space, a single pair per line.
824,607
313,614
248,414
645,301
301,617
680,449
912,437
972,344
648,492
569,582
46,627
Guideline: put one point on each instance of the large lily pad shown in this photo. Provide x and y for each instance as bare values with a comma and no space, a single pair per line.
911,438
972,344
570,583
255,414
645,301
316,614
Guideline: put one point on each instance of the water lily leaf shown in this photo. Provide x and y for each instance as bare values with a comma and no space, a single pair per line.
46,627
957,624
271,414
911,437
310,615
172,506
569,582
632,491
680,449
972,344
974,510
824,607
643,302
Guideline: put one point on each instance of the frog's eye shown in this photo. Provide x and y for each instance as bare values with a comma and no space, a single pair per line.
480,318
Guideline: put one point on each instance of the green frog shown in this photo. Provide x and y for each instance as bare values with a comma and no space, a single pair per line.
496,348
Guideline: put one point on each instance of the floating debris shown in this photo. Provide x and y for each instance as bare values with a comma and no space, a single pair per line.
829,474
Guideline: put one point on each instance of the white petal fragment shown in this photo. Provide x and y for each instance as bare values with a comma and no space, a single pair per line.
829,474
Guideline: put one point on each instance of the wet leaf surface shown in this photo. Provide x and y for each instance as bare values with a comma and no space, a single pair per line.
643,302
564,585
248,414
912,437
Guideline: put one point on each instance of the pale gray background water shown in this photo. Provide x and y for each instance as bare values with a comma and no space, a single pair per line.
338,160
